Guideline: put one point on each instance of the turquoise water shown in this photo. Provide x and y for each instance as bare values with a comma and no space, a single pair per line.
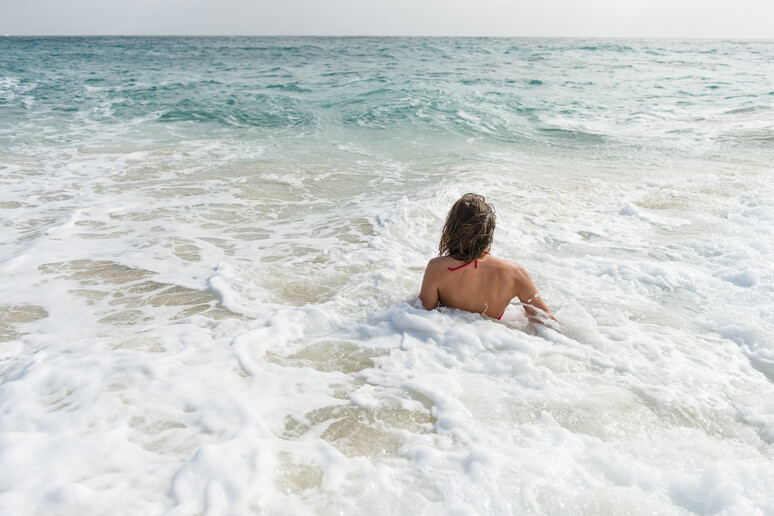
531,93
211,248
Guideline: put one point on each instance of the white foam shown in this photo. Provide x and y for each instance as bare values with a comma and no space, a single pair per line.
204,325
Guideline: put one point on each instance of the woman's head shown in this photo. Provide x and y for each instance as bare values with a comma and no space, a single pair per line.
469,228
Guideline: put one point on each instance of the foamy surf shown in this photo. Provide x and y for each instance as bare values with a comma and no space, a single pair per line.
209,277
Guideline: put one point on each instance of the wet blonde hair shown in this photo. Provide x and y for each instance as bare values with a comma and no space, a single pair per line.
469,228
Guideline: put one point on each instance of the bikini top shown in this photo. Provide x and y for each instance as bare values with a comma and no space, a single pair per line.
474,262
475,266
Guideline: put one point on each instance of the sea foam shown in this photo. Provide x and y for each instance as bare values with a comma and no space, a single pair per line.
211,249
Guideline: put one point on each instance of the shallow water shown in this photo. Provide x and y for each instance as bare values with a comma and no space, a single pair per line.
211,248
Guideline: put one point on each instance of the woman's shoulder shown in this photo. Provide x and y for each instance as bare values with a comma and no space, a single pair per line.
513,269
441,262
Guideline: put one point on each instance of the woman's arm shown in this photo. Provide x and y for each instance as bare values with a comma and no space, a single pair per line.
429,292
528,294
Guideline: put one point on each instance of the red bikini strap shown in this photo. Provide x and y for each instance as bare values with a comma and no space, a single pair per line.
475,266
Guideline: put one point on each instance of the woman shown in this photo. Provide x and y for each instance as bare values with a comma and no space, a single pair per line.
467,277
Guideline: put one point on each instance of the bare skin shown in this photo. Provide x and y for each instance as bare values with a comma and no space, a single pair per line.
485,287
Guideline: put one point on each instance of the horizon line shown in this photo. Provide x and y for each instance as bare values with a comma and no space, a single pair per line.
395,36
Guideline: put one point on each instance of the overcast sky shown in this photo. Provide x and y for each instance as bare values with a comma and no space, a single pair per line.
605,18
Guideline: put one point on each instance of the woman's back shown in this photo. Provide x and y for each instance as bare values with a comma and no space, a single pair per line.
486,285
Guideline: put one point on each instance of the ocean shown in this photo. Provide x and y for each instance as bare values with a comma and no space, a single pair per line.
211,251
